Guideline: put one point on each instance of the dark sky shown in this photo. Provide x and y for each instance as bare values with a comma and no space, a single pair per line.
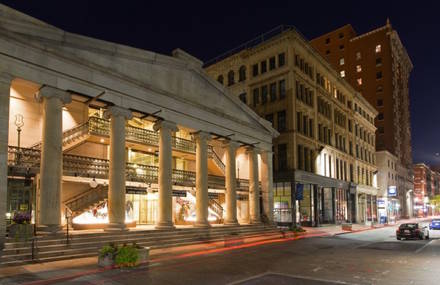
209,28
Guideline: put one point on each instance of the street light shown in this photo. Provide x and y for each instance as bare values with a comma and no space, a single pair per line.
19,123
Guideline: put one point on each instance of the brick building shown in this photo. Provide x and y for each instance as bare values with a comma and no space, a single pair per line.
377,65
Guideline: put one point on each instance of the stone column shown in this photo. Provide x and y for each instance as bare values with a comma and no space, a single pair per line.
254,187
51,166
267,184
5,86
230,183
116,181
165,216
202,179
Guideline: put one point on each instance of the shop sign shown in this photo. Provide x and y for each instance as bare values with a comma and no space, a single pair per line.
381,203
299,195
392,191
179,193
212,195
135,190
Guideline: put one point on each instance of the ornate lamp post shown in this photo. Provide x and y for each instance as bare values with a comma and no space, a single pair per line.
19,123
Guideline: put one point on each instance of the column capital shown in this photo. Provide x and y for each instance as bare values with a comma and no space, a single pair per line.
201,135
116,111
253,149
162,124
51,92
234,145
6,78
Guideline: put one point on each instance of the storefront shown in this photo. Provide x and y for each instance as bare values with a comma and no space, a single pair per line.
317,200
141,207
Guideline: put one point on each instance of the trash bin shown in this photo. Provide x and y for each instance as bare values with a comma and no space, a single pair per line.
383,220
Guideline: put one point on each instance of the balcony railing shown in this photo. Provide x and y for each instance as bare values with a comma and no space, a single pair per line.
101,127
27,160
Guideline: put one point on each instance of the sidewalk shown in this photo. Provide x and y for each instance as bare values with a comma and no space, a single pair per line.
57,271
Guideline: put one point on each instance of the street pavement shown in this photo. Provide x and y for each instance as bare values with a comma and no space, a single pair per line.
365,257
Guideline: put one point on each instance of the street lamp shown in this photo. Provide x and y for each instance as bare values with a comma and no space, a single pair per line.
19,123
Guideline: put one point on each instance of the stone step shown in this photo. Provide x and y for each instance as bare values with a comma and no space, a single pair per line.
87,250
130,239
99,242
94,247
46,240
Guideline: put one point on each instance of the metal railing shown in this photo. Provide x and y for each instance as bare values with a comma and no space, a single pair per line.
101,127
255,42
216,207
28,160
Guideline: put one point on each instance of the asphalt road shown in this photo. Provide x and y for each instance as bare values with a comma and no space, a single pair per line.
370,257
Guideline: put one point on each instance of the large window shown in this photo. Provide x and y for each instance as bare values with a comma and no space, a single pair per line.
231,79
255,70
256,97
242,73
282,156
242,97
281,118
272,63
263,67
378,48
281,59
282,85
269,117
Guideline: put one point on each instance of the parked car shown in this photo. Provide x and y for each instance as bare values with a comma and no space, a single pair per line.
435,224
412,231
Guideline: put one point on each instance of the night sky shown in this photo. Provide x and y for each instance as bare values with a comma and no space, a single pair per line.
209,29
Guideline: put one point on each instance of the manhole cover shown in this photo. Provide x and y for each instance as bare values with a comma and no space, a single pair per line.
281,279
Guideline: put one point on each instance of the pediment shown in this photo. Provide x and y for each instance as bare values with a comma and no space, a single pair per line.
179,76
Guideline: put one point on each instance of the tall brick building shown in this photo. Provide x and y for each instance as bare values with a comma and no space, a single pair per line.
377,65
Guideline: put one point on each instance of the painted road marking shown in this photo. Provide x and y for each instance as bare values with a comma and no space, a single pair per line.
423,247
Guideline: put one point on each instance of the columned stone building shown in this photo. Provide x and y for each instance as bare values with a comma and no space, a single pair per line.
325,154
115,136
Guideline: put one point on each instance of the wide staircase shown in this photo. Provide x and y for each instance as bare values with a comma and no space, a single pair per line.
87,200
53,248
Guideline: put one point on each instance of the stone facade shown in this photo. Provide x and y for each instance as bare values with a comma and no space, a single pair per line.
114,120
326,127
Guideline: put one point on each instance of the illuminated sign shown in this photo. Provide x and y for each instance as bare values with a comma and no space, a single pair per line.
392,191
381,203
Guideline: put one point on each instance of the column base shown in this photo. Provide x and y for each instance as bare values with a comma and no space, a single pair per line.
231,223
255,222
165,226
50,229
202,225
115,227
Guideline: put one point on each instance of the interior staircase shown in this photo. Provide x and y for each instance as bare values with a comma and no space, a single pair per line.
101,127
87,200
52,248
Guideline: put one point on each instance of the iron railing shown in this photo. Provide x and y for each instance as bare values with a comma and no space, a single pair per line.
28,160
101,127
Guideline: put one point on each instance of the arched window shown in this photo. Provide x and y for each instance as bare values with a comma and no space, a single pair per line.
242,73
220,79
231,78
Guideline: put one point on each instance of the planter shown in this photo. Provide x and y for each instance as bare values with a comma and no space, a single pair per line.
21,231
299,233
347,227
144,254
106,261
